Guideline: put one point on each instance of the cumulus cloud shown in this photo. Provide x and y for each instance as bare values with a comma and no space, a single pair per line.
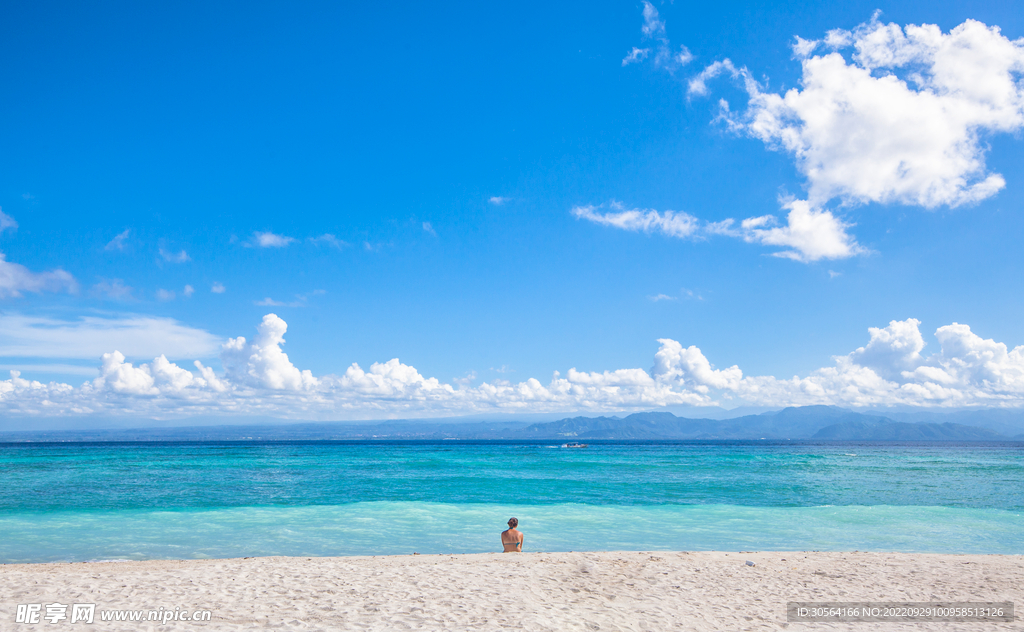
188,291
262,362
121,377
901,121
270,240
16,278
218,288
498,201
164,295
671,223
883,114
809,234
159,378
118,242
259,377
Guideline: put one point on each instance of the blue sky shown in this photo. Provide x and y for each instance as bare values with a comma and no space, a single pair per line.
482,192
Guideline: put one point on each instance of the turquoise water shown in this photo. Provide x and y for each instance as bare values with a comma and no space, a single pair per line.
79,502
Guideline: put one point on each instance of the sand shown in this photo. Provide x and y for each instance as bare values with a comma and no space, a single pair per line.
656,591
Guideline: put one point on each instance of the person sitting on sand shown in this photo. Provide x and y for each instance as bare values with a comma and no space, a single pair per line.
512,539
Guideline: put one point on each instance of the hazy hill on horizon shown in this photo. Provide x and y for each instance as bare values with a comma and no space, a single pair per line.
796,423
806,422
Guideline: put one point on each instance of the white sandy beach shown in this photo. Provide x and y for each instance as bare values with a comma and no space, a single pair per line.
655,591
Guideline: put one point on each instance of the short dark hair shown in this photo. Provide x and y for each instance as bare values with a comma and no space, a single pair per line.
513,522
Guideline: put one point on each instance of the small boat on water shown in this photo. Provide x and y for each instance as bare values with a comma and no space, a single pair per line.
574,445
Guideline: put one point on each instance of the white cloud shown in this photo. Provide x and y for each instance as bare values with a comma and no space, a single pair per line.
218,288
662,297
498,201
188,291
653,28
262,363
174,257
7,222
890,369
430,229
330,240
16,278
653,25
635,55
901,120
90,337
698,84
113,289
892,350
270,240
121,377
159,378
803,48
671,223
117,243
689,366
809,234
683,57
164,295
465,380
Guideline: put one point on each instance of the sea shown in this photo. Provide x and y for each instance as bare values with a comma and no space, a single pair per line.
191,500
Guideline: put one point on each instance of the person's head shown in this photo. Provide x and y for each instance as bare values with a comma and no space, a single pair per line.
513,523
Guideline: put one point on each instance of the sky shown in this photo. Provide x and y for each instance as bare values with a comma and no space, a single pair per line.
332,211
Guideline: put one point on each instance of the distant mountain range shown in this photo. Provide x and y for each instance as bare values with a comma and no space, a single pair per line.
806,422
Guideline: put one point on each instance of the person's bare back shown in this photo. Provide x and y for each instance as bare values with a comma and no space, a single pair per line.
512,538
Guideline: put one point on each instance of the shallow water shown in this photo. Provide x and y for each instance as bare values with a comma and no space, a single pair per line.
191,500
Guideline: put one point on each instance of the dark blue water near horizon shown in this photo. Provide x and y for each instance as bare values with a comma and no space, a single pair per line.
215,499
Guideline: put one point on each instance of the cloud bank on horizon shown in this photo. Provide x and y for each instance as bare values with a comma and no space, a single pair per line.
259,378
900,120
